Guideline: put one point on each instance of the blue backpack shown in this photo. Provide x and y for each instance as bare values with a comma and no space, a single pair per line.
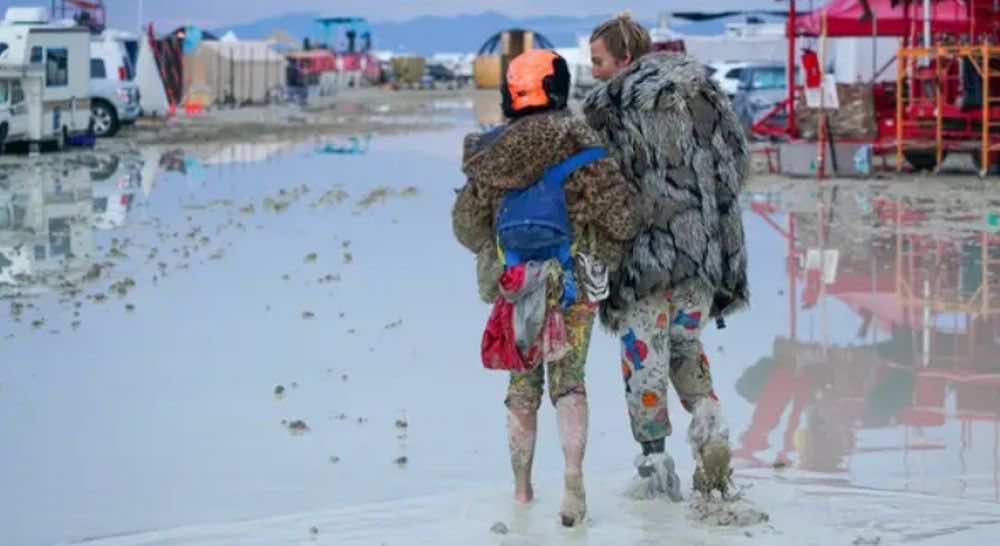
533,223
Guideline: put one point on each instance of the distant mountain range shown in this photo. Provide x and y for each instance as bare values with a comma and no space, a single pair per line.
463,33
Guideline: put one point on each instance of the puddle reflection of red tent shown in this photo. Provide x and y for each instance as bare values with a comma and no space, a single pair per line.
965,359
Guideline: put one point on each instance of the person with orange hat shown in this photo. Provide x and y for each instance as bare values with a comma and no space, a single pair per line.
682,148
542,201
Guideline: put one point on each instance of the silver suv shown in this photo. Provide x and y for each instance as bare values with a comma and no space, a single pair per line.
762,86
114,97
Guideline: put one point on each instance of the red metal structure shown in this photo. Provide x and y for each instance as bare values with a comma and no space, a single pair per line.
937,104
87,13
356,54
930,334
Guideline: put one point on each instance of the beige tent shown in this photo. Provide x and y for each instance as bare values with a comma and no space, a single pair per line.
232,71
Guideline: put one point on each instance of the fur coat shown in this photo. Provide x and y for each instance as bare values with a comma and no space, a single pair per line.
598,198
683,149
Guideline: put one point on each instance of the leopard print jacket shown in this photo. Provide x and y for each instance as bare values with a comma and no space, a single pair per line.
599,199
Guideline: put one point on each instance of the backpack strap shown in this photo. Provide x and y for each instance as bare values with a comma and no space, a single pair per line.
562,170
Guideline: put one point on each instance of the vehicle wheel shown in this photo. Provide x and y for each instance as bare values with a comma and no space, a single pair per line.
105,119
922,160
105,169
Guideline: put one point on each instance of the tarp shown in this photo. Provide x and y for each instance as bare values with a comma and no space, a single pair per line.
844,18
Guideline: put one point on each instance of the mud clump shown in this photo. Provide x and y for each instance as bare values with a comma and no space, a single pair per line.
331,199
726,513
298,427
374,197
122,287
330,278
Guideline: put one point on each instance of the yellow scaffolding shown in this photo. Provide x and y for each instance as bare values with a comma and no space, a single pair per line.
980,57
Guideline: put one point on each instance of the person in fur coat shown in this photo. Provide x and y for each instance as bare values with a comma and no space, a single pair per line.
682,148
542,133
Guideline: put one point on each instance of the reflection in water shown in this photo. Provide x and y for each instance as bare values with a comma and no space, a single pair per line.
50,209
354,145
115,184
46,238
919,276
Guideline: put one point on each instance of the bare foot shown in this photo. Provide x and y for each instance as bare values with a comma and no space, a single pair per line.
574,501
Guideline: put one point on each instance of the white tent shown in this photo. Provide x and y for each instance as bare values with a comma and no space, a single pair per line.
153,96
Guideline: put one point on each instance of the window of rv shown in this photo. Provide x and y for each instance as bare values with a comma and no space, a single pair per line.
4,91
3,48
57,67
98,70
16,93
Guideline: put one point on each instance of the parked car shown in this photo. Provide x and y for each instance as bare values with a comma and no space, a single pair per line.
114,95
728,75
440,76
761,88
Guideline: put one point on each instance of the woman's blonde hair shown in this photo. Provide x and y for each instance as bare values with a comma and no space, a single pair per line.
623,37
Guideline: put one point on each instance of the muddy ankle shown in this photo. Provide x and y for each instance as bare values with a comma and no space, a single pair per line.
574,502
524,494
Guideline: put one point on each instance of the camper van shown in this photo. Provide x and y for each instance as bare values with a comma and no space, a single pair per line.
50,65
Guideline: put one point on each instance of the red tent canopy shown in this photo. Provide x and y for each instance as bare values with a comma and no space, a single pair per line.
843,18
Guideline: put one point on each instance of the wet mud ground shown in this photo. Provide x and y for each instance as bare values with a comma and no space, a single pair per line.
198,334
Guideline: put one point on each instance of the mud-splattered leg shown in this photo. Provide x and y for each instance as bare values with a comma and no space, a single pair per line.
522,429
646,368
708,433
572,413
569,395
524,397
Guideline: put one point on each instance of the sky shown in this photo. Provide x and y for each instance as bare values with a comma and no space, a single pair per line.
217,13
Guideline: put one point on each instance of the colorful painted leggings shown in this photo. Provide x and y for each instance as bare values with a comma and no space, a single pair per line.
566,376
661,345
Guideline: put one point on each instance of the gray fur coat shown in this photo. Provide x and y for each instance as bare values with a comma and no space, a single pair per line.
681,146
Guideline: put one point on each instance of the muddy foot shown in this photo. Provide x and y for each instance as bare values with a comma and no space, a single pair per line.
574,502
713,472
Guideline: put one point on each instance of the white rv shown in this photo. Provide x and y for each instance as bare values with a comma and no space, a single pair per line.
50,64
